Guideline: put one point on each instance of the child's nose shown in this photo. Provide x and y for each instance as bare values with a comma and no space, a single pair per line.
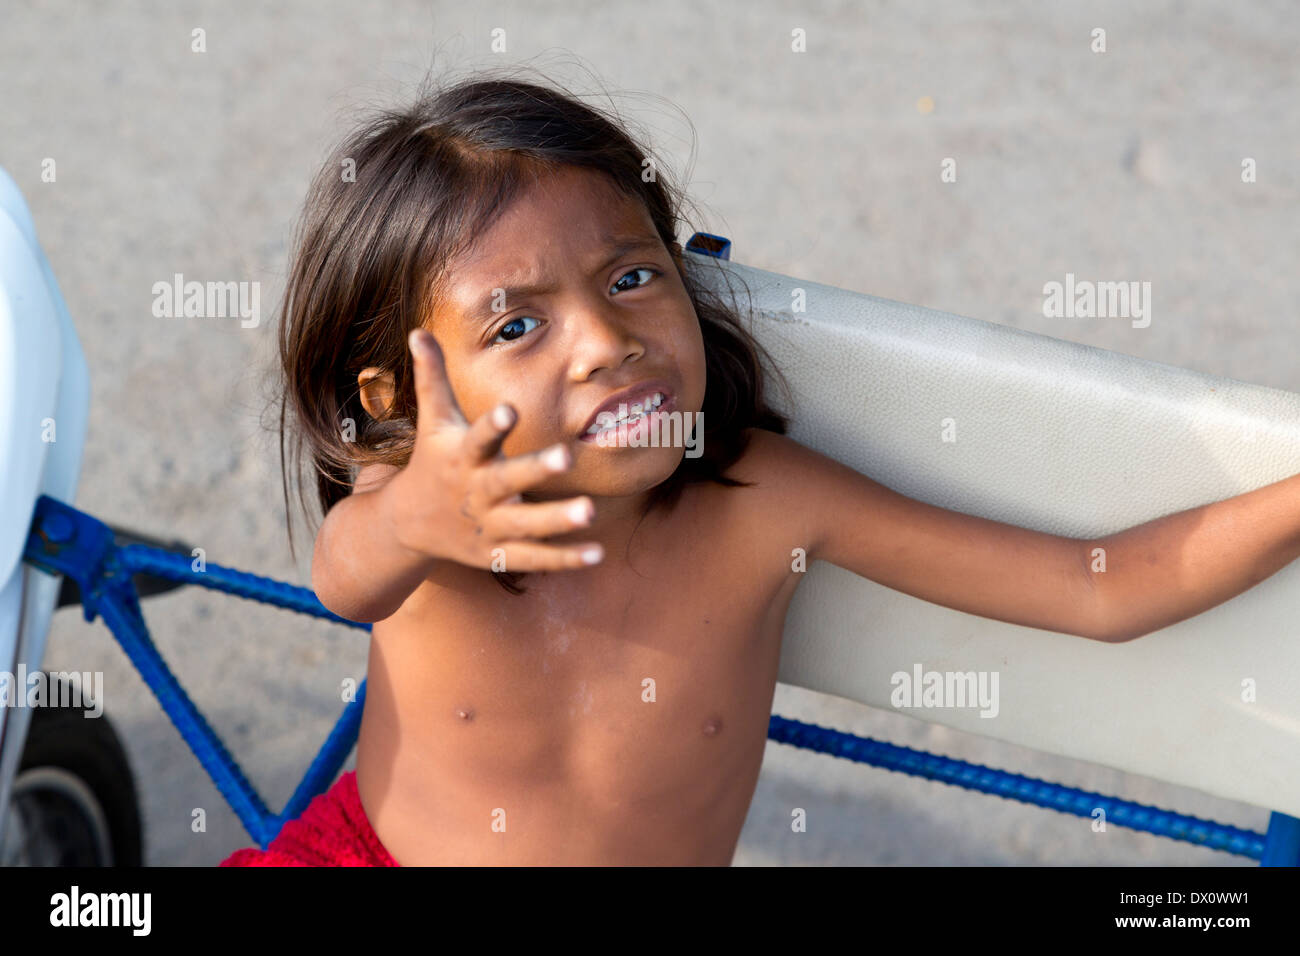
603,337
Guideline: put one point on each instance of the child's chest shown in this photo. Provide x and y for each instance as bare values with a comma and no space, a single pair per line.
618,719
669,663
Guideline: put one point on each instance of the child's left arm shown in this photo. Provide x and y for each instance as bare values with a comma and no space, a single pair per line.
1156,574
1175,567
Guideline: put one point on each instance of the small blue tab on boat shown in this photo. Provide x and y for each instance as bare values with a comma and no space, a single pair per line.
58,528
707,244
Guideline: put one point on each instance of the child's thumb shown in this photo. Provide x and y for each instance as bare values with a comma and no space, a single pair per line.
435,403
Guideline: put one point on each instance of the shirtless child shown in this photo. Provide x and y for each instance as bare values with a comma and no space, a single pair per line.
501,250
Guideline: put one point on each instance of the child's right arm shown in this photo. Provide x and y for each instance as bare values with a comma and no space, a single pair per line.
457,499
359,570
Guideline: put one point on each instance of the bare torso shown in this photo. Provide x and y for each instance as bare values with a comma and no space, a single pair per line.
616,715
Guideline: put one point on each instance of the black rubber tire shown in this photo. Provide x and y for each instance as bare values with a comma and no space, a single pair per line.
89,748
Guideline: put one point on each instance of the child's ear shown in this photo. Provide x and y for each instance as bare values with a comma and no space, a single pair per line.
376,391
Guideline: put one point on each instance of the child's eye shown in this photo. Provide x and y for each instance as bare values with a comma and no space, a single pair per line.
653,272
503,331
518,319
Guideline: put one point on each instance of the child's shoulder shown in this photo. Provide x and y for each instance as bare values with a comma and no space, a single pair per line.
781,471
805,495
769,458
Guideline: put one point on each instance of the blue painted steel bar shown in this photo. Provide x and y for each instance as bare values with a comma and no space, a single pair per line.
121,618
333,754
1282,844
1014,786
135,558
64,540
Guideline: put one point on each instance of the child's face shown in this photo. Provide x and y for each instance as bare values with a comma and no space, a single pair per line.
600,321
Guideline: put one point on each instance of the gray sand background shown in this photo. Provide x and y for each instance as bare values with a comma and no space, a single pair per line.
823,165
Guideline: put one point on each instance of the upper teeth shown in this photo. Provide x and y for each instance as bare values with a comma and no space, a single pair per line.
606,420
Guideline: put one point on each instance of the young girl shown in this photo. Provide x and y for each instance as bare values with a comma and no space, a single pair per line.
576,631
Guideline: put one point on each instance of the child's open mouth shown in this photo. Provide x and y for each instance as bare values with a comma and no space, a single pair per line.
638,419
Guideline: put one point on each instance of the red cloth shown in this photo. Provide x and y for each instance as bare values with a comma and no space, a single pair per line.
332,831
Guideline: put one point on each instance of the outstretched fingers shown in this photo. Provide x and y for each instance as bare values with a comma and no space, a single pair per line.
538,519
484,438
464,499
435,404
509,477
536,556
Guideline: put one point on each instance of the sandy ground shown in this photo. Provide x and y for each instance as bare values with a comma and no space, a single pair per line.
1117,165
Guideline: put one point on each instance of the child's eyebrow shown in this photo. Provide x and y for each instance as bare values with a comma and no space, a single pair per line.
620,246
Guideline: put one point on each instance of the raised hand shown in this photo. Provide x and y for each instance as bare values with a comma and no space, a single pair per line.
459,497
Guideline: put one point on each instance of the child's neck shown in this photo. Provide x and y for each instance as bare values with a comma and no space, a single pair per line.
615,523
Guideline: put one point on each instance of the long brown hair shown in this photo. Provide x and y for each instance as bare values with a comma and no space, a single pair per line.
397,201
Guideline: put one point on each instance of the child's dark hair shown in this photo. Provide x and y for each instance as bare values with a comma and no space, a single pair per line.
398,200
